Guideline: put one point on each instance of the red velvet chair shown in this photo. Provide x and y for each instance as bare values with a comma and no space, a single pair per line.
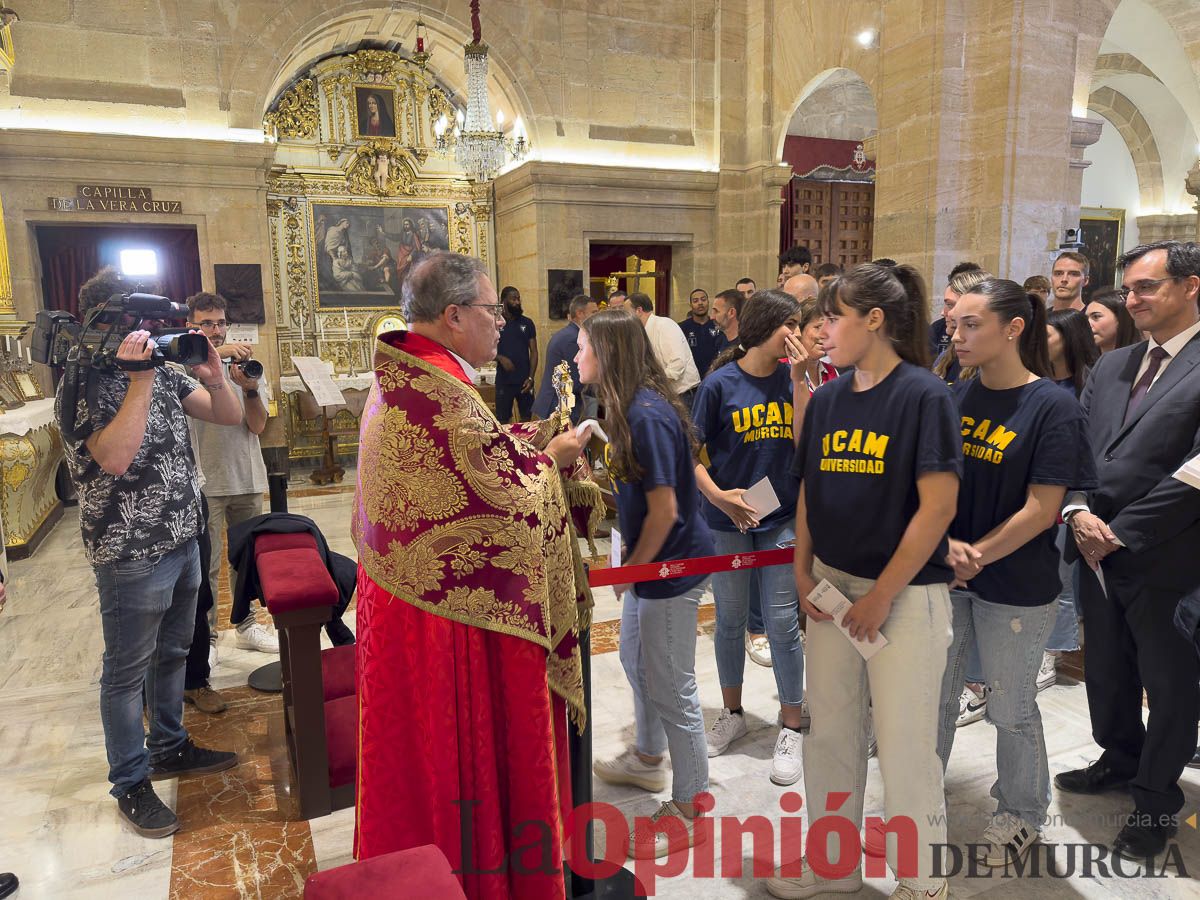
419,872
319,701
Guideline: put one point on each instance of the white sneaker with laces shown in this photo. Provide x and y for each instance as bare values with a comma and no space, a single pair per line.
810,884
1047,675
1006,839
653,844
908,892
759,649
785,763
727,729
972,706
628,768
257,637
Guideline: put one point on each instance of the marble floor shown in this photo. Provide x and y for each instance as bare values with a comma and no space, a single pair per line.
241,837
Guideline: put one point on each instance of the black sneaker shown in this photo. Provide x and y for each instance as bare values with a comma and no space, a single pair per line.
192,760
148,815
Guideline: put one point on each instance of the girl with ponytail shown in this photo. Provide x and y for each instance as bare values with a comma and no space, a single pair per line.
744,414
879,458
1024,443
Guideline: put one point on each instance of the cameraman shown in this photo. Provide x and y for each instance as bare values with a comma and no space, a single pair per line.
233,463
131,461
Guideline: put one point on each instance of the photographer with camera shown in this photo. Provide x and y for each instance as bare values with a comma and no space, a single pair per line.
129,455
232,460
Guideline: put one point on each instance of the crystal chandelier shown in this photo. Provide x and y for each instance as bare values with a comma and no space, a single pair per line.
480,147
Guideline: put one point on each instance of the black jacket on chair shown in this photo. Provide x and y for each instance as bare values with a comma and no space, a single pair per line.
342,569
1155,515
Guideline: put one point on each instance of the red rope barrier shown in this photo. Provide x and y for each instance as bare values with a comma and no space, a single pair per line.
702,565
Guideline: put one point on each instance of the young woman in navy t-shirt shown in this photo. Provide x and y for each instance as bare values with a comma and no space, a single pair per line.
744,412
880,460
651,460
1024,444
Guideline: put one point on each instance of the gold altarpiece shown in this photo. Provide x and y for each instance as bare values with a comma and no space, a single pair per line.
356,152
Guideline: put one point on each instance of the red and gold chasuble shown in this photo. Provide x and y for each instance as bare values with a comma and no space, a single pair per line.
471,595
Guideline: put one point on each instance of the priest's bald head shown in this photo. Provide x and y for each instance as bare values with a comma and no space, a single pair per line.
449,298
802,287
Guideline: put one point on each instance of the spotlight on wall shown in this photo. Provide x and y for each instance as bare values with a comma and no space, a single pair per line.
866,37
139,263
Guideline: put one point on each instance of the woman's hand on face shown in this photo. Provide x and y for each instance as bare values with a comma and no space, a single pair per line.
797,356
741,513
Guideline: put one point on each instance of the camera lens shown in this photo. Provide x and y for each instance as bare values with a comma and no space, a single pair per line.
185,349
251,368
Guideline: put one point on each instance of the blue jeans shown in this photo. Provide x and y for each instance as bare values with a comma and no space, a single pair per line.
658,653
1010,640
1065,634
776,585
148,614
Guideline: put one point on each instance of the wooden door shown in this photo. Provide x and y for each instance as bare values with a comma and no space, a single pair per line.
834,219
811,208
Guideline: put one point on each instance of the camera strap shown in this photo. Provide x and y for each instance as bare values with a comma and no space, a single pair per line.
135,365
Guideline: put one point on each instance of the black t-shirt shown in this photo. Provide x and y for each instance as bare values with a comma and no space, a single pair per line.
514,346
155,506
1033,434
859,457
665,456
745,422
702,341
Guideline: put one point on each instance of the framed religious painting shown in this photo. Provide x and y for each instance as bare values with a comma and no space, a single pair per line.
363,252
374,111
1102,231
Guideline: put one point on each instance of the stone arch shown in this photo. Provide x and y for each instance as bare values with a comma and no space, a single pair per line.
1139,139
833,88
1122,64
285,42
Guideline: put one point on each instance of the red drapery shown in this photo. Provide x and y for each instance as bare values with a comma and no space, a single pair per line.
71,254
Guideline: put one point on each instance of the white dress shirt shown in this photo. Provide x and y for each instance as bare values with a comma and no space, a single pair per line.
671,347
468,369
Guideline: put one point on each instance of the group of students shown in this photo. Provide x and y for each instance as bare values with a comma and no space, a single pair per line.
934,510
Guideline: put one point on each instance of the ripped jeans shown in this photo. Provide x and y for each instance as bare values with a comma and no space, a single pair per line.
1010,640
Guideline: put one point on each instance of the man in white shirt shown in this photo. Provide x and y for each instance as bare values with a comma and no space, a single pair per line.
670,346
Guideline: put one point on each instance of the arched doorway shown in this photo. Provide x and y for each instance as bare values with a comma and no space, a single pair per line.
829,205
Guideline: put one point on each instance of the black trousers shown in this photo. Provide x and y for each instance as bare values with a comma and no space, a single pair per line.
1131,644
196,670
505,395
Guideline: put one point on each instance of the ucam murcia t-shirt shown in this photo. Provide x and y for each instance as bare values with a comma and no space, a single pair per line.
859,457
1033,434
746,424
665,455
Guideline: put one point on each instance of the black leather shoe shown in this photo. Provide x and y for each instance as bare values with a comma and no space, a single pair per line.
1139,840
1095,779
192,760
8,884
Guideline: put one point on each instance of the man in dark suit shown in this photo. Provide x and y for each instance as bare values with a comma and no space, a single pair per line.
1139,533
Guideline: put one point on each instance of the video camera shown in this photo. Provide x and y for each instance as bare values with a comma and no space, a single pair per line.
59,338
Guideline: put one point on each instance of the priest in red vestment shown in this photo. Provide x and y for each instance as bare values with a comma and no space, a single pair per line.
471,597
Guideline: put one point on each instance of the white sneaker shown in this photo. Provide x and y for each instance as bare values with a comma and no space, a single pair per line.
727,729
628,768
759,649
655,843
1047,674
972,706
213,657
810,885
785,763
257,637
1007,839
908,892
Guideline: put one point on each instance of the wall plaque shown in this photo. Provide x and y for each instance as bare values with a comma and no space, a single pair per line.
114,198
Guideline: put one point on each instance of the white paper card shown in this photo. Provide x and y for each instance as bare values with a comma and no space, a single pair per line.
315,374
595,426
829,599
762,497
242,334
614,553
1189,472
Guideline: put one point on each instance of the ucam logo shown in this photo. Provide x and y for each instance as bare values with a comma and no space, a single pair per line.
665,571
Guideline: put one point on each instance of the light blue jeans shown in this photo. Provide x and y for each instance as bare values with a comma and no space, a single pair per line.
776,585
1010,640
658,653
148,615
1065,634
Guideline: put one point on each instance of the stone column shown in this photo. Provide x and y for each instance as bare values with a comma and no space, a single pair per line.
1193,188
1084,133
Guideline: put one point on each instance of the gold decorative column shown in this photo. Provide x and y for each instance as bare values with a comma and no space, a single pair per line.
7,307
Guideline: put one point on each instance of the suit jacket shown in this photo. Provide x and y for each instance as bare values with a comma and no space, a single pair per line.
1155,515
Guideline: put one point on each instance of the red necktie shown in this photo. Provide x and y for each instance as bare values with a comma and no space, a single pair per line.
1157,355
